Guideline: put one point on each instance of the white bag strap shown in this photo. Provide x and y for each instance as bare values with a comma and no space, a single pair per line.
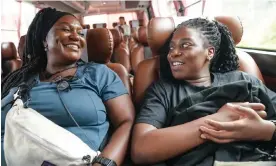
24,90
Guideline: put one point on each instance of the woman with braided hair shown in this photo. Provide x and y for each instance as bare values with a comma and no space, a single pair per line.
196,62
93,94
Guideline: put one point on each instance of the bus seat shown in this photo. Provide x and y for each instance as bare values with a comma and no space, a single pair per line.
10,59
100,48
121,52
133,41
248,64
117,37
142,51
159,30
8,51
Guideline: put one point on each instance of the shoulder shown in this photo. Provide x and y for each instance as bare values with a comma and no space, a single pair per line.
161,87
230,75
237,76
96,71
160,84
95,68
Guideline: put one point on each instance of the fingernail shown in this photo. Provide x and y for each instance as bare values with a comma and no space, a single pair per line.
240,107
203,136
230,104
207,121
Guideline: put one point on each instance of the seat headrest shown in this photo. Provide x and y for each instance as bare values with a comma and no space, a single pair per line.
99,45
86,26
11,66
134,33
21,46
8,51
142,35
234,25
101,25
117,37
160,29
114,24
142,22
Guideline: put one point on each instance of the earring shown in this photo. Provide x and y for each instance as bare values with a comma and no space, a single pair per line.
46,48
209,58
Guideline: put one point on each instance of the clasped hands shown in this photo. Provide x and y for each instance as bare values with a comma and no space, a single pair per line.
236,122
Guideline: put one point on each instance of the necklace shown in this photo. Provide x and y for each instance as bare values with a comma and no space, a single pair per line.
48,75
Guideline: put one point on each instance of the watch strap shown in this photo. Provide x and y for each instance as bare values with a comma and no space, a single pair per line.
104,161
274,134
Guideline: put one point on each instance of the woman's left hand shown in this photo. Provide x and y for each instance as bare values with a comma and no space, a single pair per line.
250,127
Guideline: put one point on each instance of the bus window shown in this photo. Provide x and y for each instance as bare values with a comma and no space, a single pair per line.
10,11
258,19
15,19
109,19
193,7
28,12
164,8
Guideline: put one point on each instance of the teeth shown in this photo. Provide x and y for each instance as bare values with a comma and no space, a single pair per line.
177,63
72,46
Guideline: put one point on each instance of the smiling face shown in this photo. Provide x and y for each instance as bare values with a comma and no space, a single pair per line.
188,56
65,41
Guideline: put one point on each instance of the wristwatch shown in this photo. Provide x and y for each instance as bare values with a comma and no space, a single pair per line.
103,161
274,134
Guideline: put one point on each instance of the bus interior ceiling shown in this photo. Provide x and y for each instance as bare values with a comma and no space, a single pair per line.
86,8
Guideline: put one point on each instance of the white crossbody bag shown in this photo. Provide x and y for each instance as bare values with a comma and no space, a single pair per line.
33,140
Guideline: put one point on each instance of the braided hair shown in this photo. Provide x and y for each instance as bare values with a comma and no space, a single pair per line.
34,55
218,36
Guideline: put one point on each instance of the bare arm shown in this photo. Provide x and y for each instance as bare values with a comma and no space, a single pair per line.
121,114
152,145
